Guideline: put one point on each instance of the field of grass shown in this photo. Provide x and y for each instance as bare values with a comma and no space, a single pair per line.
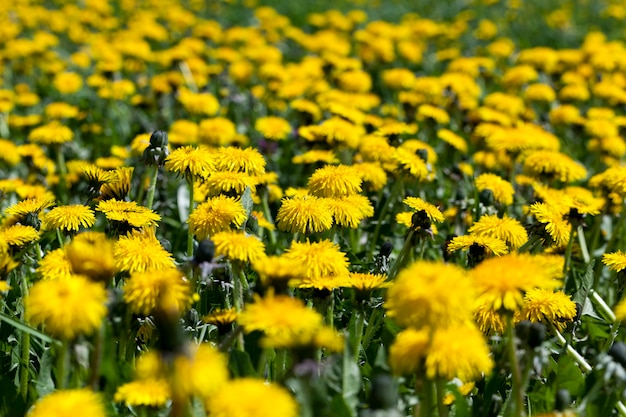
322,208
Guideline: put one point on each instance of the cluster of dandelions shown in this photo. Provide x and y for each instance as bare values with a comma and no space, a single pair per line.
270,215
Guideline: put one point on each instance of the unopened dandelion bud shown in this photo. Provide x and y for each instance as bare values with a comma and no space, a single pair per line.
204,252
386,248
157,151
158,139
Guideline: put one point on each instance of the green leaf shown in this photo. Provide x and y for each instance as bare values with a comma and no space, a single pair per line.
182,201
569,376
25,328
247,203
583,283
344,378
240,364
339,407
44,383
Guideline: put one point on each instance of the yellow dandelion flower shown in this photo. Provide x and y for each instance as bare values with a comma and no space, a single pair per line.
502,190
220,317
67,306
555,165
551,217
64,403
217,131
351,210
452,139
261,220
488,320
314,156
428,111
493,245
69,218
616,261
541,306
366,282
430,294
145,291
506,228
412,163
246,396
199,103
19,235
54,265
202,373
150,392
306,214
216,215
326,266
60,110
30,205
232,159
408,351
277,271
502,282
128,212
417,204
191,161
273,128
139,251
374,176
228,182
540,92
238,246
620,310
119,185
91,254
335,181
458,351
51,134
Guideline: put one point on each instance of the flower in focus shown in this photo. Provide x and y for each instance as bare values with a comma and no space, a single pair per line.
468,242
139,251
506,228
128,212
335,181
325,265
145,291
541,306
557,229
217,214
65,403
70,218
238,246
244,397
18,235
190,161
232,159
616,261
67,306
306,214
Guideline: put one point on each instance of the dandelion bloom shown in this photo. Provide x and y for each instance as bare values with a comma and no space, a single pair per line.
54,265
506,228
190,161
306,214
544,306
412,163
238,246
91,254
407,352
201,373
430,294
118,186
150,392
489,320
491,244
335,181
557,229
350,211
19,235
29,205
221,317
232,159
502,282
69,218
139,251
620,310
277,271
554,164
316,155
216,215
458,351
273,128
229,182
53,133
502,190
245,397
616,261
128,212
67,306
326,266
151,289
65,403
433,213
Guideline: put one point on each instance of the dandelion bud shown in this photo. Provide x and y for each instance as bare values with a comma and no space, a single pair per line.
158,139
204,252
157,151
386,248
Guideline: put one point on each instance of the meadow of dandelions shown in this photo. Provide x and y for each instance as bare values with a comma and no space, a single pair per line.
234,209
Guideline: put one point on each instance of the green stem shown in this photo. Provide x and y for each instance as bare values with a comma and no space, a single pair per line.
397,187
281,364
25,349
584,365
595,232
583,244
530,244
517,394
372,326
268,216
62,174
426,405
191,207
359,323
96,359
604,308
330,309
568,253
152,187
406,248
62,365
60,238
441,389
